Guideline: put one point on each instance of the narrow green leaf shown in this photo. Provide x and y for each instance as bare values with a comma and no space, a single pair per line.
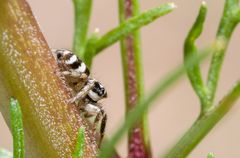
17,129
5,154
194,73
90,47
144,104
226,27
210,155
129,26
82,16
79,150
203,125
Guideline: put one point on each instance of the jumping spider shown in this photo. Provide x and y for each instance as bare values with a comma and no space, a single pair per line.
87,90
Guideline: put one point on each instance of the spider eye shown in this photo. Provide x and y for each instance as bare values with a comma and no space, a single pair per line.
59,55
99,89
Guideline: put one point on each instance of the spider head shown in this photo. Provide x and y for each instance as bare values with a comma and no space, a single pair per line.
98,92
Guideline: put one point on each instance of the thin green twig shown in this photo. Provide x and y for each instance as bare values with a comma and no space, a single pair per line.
132,24
203,125
194,73
82,15
90,49
227,25
17,129
79,149
127,27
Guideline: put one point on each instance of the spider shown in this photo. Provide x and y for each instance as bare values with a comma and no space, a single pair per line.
87,90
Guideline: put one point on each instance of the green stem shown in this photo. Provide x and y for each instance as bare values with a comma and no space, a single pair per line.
82,16
133,81
79,150
194,73
125,28
132,24
17,129
90,49
226,27
203,125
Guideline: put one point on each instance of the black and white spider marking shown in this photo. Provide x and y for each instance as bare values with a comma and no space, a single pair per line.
86,90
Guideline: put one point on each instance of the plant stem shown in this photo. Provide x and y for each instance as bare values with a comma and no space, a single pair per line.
138,138
17,129
30,74
79,149
82,15
132,23
227,25
190,48
125,28
203,125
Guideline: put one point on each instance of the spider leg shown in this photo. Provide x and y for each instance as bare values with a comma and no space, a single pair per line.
93,109
101,118
103,126
83,92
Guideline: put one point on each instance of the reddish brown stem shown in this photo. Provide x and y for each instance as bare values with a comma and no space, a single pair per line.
136,142
29,73
138,147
